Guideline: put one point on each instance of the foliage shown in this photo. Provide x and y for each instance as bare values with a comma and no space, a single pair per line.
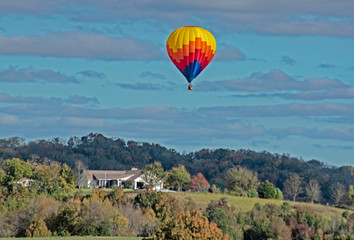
351,195
313,191
188,225
267,190
292,186
259,226
113,213
199,183
54,179
178,177
153,174
338,192
99,152
117,196
14,170
218,216
80,175
241,180
67,179
278,194
148,199
141,223
215,189
37,228
89,216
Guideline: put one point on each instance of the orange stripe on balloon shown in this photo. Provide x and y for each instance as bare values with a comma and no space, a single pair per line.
195,50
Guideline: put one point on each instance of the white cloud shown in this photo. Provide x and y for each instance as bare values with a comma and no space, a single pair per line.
275,80
285,17
41,101
81,45
31,74
227,53
9,120
303,110
338,133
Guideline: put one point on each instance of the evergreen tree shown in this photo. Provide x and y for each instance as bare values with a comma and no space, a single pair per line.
267,190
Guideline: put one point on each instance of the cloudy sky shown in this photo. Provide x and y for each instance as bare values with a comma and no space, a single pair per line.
282,79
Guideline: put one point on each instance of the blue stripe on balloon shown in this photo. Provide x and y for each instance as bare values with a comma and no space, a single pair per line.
192,70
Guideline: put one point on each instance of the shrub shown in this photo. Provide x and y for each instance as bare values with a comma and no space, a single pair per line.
188,225
266,190
218,216
148,199
37,228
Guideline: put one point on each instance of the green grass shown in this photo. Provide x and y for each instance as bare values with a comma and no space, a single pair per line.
244,204
80,238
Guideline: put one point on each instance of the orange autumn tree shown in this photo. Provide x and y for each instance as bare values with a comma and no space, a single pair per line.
188,226
199,183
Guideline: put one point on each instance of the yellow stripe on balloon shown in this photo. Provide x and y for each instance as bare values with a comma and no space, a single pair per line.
182,36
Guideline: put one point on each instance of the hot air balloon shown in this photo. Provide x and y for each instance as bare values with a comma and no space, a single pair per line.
191,50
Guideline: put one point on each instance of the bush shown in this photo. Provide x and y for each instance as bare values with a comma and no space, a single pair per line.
267,190
253,193
218,216
37,228
148,199
278,194
191,224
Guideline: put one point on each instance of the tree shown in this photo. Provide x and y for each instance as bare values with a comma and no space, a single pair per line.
178,177
337,192
351,195
267,190
188,225
241,180
47,177
54,179
117,196
313,191
278,194
219,216
199,183
80,174
153,174
15,169
37,228
292,186
67,179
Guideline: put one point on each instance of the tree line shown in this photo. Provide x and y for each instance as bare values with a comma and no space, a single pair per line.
311,181
244,182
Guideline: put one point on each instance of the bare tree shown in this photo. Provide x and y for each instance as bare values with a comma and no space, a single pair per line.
337,191
80,173
292,186
313,191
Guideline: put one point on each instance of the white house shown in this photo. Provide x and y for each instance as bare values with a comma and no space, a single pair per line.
25,182
110,178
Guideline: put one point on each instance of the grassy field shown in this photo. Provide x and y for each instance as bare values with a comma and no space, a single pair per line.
80,238
243,204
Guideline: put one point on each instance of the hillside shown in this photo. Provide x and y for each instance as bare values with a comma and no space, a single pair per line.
99,152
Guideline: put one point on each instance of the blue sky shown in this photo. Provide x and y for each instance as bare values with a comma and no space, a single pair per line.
282,79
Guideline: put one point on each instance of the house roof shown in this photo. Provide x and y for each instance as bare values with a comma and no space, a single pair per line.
112,175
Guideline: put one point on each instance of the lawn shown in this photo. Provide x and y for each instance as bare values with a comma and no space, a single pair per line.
241,203
244,204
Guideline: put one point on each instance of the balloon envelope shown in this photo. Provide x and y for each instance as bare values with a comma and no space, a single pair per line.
191,50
